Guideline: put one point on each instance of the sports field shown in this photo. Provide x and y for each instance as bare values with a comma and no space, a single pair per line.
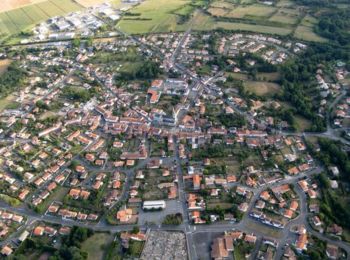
20,19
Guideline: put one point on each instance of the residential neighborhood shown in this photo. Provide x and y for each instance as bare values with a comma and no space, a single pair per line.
174,145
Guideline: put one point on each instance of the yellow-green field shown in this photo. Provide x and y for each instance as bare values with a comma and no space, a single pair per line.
262,88
302,124
6,101
307,34
94,245
155,16
252,10
17,20
253,28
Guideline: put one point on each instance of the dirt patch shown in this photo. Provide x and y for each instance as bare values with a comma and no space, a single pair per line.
4,64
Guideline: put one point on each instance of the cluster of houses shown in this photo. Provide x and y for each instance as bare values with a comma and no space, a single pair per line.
36,231
9,222
276,207
84,23
342,113
272,50
223,246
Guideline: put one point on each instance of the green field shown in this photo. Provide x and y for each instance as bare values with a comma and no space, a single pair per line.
21,19
261,88
252,10
253,28
94,245
307,34
154,16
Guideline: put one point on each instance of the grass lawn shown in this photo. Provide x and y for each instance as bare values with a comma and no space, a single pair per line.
262,88
237,254
57,195
95,245
9,200
222,205
273,76
239,76
302,124
264,229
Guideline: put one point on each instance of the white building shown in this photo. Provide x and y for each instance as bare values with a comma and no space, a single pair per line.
154,204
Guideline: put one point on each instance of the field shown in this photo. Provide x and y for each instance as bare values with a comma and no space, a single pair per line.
253,28
6,102
22,19
252,10
287,16
88,3
261,88
153,16
307,34
94,245
7,5
302,124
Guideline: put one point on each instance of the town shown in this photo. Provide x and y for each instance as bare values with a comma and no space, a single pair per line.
173,145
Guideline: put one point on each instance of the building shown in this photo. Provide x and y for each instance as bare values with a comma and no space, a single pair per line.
154,204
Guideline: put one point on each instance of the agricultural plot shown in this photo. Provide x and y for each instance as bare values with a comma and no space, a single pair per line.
153,16
13,4
20,19
286,16
253,28
252,10
307,34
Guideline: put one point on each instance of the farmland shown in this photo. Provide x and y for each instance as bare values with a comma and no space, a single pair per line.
21,19
153,16
13,4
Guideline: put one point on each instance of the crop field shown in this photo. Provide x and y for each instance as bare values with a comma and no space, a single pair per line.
153,16
23,18
252,10
287,16
218,11
7,5
253,28
306,33
88,3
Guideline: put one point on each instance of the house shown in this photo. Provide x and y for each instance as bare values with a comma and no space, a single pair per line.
335,229
38,231
124,215
301,243
294,205
6,250
250,238
332,251
219,249
196,181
